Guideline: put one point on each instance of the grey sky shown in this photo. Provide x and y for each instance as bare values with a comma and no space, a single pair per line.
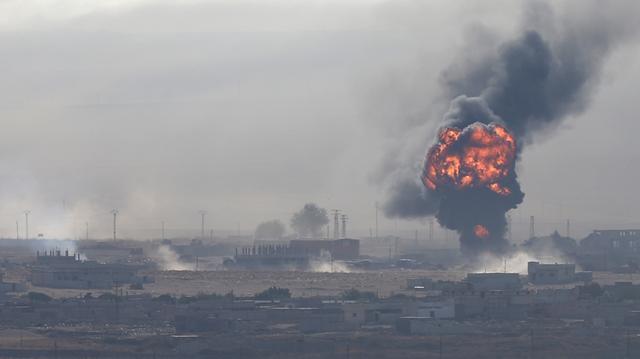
249,109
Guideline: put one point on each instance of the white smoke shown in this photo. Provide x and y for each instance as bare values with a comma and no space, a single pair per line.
167,259
328,266
515,262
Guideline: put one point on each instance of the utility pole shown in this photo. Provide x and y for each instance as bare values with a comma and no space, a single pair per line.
336,224
26,220
17,231
431,229
532,227
531,339
377,220
628,345
344,225
115,215
202,214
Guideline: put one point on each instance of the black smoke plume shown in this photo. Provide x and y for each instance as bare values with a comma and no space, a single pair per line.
548,71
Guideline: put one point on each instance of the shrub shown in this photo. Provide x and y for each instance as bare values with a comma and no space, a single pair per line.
273,293
354,294
37,297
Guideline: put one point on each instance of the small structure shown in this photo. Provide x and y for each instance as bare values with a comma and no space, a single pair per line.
9,287
55,270
539,273
437,309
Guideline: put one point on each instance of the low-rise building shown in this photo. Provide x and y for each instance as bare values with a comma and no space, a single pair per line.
539,273
55,270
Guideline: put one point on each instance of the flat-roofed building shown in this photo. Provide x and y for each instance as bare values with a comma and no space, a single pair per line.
57,270
539,273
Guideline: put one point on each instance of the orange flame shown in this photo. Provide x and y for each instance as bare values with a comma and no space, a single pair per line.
483,160
480,231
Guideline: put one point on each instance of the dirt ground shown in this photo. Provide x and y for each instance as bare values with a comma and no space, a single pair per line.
301,284
608,343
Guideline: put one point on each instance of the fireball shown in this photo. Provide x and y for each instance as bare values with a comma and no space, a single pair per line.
480,231
480,156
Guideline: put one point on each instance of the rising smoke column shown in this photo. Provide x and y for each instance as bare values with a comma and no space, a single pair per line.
542,75
474,171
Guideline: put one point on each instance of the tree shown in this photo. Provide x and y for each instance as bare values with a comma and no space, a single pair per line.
37,297
270,230
273,293
309,220
354,294
165,298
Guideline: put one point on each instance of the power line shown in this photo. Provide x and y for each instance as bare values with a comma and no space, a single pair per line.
344,225
26,220
115,215
377,220
532,227
336,224
431,229
202,214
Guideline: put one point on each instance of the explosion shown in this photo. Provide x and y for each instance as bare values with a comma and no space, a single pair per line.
473,170
483,159
526,84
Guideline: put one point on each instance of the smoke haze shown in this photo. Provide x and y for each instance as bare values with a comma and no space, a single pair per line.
248,111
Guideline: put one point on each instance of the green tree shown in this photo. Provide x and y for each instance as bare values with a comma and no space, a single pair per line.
273,293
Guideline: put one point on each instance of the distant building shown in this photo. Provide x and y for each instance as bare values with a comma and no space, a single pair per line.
9,287
623,291
297,255
340,249
611,250
57,270
439,309
539,273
